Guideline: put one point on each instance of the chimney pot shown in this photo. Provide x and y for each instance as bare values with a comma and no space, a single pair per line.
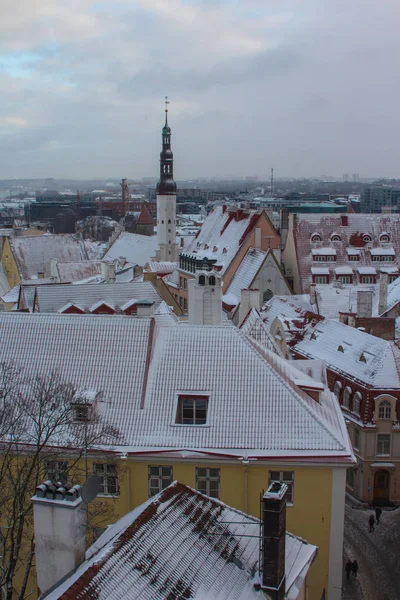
274,538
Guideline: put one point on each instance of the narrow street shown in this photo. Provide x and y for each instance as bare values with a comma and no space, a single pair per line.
377,554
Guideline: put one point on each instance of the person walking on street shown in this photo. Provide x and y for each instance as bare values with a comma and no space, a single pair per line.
348,568
371,523
354,568
378,513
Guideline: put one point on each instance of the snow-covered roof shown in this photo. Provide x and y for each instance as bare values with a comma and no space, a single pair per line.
352,228
4,285
161,267
366,270
183,544
337,297
382,252
140,390
50,299
75,271
345,270
324,251
244,275
286,307
33,254
137,249
254,327
342,347
221,235
320,270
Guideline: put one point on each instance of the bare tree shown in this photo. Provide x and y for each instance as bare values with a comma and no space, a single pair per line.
43,420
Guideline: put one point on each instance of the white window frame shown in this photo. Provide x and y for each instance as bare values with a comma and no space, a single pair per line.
346,397
357,398
386,412
106,471
284,477
160,480
205,478
383,444
356,438
322,279
367,278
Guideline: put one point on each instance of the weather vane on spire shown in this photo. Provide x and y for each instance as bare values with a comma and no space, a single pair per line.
166,109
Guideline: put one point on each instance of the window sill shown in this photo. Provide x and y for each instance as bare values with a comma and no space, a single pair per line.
191,425
107,496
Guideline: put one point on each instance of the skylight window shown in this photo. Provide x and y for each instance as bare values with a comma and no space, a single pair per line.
192,410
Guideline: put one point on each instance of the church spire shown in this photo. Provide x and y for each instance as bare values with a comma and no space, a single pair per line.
166,185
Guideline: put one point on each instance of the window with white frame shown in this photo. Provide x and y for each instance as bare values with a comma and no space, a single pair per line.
357,403
344,278
385,410
383,444
367,279
346,397
108,478
160,477
207,481
285,477
56,470
321,279
356,439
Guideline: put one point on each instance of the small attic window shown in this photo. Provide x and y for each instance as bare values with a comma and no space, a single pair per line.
335,237
384,237
211,280
362,358
202,280
367,238
316,237
340,349
225,251
313,336
81,412
215,249
192,410
198,244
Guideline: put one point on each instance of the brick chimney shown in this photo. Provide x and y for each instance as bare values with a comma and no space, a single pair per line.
60,527
274,540
313,294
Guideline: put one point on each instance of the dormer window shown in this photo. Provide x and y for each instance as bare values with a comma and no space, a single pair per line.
384,237
192,410
362,358
335,237
385,410
367,238
225,251
316,237
81,412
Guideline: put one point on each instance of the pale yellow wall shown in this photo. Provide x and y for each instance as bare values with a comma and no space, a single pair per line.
309,517
9,265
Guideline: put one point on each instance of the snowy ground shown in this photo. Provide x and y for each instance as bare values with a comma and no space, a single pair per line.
377,554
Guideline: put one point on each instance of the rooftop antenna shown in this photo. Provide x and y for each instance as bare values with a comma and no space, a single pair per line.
166,109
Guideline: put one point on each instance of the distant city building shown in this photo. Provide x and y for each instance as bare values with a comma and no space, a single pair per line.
374,198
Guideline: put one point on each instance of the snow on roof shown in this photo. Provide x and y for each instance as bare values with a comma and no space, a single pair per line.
180,542
344,270
320,270
220,235
75,271
137,249
351,234
110,354
382,252
324,251
161,267
100,303
244,275
380,359
34,253
336,297
12,295
286,307
67,306
393,296
254,327
366,270
50,299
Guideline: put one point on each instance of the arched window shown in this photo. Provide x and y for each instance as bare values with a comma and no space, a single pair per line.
367,238
384,237
316,237
357,403
337,389
385,410
211,280
335,237
202,280
346,397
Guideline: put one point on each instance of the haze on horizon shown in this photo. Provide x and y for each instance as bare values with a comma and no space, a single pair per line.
305,86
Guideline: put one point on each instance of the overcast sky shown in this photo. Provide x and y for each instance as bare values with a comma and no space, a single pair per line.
309,87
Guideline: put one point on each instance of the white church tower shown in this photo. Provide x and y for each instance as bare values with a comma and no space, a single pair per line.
166,199
205,298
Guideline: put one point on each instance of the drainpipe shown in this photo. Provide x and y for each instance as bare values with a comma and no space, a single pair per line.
245,462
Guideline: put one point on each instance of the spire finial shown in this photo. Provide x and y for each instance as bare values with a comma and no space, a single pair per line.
166,109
